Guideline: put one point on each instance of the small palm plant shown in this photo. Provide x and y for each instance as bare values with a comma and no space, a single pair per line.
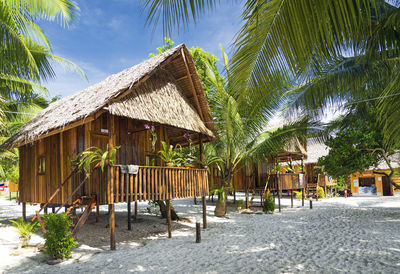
94,156
25,230
167,154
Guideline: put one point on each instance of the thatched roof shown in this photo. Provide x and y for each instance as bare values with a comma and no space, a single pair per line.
164,89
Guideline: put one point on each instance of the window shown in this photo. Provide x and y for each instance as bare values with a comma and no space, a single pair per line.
41,165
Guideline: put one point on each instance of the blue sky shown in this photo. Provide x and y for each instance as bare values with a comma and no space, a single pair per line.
111,35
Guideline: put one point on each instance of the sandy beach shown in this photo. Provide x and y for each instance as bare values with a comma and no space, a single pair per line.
357,234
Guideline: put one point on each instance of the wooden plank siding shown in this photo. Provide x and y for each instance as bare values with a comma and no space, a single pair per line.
135,148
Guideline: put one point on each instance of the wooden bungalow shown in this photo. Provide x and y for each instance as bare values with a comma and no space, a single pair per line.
163,93
254,178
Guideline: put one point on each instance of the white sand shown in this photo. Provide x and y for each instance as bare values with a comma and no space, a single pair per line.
357,234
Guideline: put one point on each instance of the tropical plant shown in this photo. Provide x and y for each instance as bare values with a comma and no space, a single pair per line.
320,192
239,204
95,157
299,195
269,203
167,153
25,230
322,52
58,236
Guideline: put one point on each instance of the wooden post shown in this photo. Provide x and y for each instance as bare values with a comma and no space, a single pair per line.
24,211
204,212
136,210
112,227
302,196
10,194
261,199
195,200
198,232
53,209
291,198
279,193
45,209
97,212
168,204
111,141
129,214
234,195
310,204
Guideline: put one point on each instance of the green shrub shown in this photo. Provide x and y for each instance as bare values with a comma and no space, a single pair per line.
320,192
299,195
25,230
59,239
239,203
269,203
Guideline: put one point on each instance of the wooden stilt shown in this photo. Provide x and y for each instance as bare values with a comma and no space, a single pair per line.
112,226
168,204
45,208
53,209
291,198
195,200
302,197
198,233
136,210
97,212
129,214
261,199
204,212
310,204
234,195
24,211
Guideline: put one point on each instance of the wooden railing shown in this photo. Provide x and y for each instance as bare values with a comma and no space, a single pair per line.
287,181
158,183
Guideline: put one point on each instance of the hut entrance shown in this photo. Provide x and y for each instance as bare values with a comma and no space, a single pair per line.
386,189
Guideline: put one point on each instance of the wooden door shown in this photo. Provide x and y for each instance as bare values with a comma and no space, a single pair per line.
386,186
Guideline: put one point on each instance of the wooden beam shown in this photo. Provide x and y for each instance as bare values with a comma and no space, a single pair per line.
168,204
192,85
183,77
111,142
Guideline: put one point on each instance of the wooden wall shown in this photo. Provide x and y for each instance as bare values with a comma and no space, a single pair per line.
61,148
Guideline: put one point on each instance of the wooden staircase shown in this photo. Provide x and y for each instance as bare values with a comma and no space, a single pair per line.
311,190
86,202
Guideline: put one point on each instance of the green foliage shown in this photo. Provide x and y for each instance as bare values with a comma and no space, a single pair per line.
95,157
320,192
168,44
167,153
59,239
269,203
220,192
25,229
357,135
239,203
299,195
341,183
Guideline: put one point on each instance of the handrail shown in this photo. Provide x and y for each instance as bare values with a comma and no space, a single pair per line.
55,193
166,167
158,183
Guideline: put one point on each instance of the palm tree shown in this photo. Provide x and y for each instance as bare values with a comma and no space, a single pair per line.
26,54
335,49
241,129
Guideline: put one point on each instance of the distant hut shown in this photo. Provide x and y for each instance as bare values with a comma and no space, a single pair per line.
163,93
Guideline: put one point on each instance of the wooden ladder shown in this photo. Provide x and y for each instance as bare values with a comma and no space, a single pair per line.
37,215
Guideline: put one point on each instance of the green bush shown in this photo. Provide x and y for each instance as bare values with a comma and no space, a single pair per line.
299,195
59,239
269,203
239,203
25,229
320,192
